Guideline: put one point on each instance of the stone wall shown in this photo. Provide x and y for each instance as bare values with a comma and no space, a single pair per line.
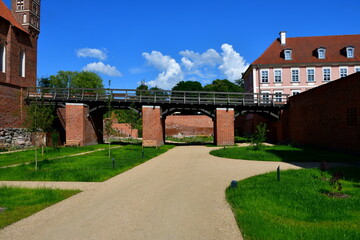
14,137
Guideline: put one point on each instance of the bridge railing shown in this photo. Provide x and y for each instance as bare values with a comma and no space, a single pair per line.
154,96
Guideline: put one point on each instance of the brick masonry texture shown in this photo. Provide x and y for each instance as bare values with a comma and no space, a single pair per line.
14,137
189,125
326,116
82,129
224,127
153,126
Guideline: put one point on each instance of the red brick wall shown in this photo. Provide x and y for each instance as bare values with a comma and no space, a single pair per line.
80,128
224,126
189,125
326,116
125,129
11,105
153,126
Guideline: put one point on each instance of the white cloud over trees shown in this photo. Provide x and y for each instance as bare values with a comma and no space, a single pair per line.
203,67
102,68
91,53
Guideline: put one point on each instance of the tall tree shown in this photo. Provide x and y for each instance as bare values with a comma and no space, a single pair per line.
222,86
188,86
72,79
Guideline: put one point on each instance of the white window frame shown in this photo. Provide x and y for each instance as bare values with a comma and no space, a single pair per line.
22,66
275,75
350,50
288,54
323,73
3,58
295,92
278,98
307,75
292,75
265,96
343,74
321,53
262,76
357,69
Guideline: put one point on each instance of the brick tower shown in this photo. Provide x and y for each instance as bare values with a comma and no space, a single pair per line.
27,13
19,31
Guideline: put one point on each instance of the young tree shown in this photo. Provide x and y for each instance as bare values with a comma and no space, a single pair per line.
39,120
259,137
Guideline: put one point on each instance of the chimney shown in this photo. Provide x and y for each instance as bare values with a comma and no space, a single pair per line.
282,38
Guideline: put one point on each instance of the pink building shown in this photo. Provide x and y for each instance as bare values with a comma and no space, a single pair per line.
294,65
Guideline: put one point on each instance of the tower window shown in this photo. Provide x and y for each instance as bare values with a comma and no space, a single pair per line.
321,53
22,64
24,18
350,52
2,58
288,53
20,4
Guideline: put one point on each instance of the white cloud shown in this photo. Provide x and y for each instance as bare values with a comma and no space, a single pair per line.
171,72
100,67
92,53
233,64
193,59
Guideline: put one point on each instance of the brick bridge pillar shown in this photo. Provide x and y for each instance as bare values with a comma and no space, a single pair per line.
82,128
224,126
153,126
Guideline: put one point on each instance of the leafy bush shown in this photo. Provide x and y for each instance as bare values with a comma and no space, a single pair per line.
259,137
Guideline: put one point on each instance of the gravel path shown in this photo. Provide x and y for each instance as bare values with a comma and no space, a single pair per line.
179,195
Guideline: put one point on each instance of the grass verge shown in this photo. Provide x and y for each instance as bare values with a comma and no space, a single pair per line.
19,203
282,153
94,167
29,155
296,208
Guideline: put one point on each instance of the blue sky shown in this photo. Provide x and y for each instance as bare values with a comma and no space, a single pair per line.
163,42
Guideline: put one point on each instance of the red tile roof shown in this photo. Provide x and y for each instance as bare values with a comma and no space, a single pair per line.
304,49
7,14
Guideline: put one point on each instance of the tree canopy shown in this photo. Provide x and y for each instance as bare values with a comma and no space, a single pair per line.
222,86
72,79
188,86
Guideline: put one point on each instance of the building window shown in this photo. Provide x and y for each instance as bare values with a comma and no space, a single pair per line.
310,75
343,72
264,76
24,18
265,97
295,92
357,69
22,64
2,58
321,53
20,4
350,52
326,74
295,75
288,53
277,76
278,96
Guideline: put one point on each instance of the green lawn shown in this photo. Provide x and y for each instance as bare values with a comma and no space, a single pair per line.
29,155
192,140
296,207
94,167
20,203
282,153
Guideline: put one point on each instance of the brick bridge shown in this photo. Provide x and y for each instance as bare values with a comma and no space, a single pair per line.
81,110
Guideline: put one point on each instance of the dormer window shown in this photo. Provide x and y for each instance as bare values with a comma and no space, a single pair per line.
350,52
288,53
321,53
